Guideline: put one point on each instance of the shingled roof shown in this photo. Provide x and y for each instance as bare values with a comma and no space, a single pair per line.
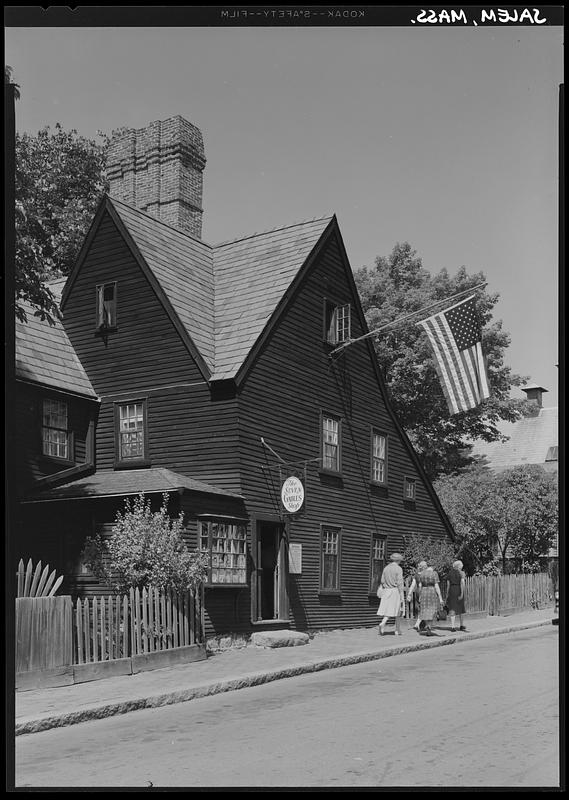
119,483
531,440
44,354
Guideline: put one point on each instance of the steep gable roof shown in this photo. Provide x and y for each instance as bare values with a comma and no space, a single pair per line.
183,267
530,440
252,276
44,354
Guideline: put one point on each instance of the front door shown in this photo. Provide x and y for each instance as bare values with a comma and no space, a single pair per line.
270,571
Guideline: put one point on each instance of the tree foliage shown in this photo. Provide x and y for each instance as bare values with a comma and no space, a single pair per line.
60,177
398,285
440,553
510,514
145,548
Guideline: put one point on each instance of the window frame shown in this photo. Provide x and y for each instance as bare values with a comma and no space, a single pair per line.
408,481
100,325
377,432
332,319
338,419
69,438
138,461
238,523
375,536
333,590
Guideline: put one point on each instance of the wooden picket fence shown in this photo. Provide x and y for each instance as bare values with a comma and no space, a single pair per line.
144,621
495,594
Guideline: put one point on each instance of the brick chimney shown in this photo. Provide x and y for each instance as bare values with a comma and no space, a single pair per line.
159,169
534,394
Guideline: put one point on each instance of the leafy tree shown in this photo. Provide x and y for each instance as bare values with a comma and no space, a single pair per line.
438,552
398,285
512,514
145,548
59,181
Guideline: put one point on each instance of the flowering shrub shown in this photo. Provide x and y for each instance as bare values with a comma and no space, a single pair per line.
145,548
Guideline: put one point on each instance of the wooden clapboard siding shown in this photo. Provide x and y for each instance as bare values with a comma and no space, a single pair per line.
281,400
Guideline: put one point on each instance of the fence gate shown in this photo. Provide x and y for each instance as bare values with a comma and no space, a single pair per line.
44,641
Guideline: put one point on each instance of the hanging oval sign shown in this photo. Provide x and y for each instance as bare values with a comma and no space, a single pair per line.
292,494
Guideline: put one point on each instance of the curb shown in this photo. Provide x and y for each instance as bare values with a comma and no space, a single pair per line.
253,679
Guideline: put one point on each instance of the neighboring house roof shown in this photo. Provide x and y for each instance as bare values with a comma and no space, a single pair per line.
44,354
531,441
118,483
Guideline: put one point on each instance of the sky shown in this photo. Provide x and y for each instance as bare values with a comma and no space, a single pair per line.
446,138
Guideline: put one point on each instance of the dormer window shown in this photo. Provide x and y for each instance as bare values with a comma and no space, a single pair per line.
106,306
337,323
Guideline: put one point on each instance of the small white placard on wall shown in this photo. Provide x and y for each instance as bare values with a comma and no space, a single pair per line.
295,559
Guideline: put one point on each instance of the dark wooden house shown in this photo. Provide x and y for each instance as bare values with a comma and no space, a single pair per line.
212,373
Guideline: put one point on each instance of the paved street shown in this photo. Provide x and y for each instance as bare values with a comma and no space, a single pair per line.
482,713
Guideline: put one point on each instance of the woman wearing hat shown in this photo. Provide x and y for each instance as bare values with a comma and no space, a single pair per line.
392,595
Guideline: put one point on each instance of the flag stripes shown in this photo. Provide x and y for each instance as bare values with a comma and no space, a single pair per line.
455,340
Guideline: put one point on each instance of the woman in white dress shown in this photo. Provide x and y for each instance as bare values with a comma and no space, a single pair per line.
392,594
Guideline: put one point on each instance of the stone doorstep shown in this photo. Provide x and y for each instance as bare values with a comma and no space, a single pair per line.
279,638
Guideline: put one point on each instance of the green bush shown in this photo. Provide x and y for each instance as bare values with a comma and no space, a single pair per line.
145,548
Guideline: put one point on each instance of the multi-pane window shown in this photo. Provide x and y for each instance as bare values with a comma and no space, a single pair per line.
330,559
55,434
226,543
330,443
131,431
337,323
409,489
106,305
378,458
377,560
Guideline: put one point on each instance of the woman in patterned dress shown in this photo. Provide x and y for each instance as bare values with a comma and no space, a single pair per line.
429,596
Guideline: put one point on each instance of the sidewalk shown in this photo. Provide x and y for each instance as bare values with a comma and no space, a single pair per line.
41,709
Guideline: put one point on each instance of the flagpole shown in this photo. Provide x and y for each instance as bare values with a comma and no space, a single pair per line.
407,316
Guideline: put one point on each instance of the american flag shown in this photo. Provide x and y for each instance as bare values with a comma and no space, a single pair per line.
454,335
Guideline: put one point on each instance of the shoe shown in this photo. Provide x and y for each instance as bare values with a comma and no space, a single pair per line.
381,630
453,630
462,628
397,633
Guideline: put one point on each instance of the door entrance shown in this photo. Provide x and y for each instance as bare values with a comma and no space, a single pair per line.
270,571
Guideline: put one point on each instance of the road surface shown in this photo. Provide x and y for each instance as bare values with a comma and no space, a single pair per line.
480,713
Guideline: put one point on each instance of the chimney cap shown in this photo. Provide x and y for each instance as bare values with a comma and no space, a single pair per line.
534,386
